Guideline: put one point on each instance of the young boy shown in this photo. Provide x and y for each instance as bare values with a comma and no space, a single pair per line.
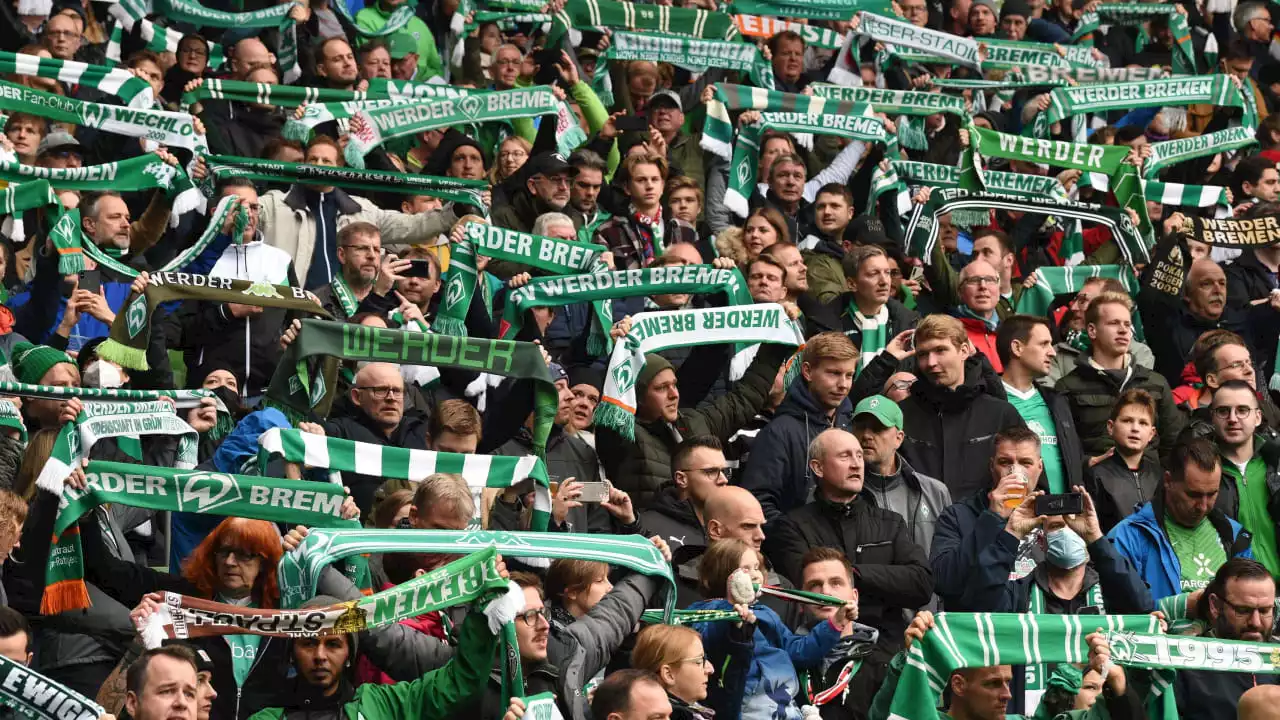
1125,476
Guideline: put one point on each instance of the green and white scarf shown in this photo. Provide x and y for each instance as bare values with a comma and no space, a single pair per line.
400,119
293,502
922,229
131,332
1092,75
1172,152
663,19
1167,193
689,617
1052,281
1184,60
849,120
289,96
558,257
894,102
874,331
34,696
1023,54
961,640
145,172
182,398
505,20
11,418
819,10
466,192
479,471
166,128
1037,675
1147,650
64,230
133,90
655,331
193,13
158,39
557,291
896,32
764,27
717,135
300,569
1006,183
177,264
296,390
469,579
1218,90
692,54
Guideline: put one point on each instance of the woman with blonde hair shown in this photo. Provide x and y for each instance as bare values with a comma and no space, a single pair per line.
674,653
512,154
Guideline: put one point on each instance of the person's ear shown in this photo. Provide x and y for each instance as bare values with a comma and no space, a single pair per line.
681,479
413,515
1111,426
816,467
131,703
806,371
1215,606
1092,331
1015,348
531,185
967,350
667,676
713,529
899,437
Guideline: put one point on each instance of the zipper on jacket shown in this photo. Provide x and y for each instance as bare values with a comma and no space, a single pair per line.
857,551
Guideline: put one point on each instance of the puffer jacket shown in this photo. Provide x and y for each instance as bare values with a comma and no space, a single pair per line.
411,433
674,520
824,270
1065,361
778,471
950,434
1117,491
1092,394
643,465
287,223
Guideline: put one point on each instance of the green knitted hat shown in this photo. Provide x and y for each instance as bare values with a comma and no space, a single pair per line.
31,362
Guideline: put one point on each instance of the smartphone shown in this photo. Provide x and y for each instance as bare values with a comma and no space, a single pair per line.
632,123
418,269
594,492
910,341
1064,504
91,282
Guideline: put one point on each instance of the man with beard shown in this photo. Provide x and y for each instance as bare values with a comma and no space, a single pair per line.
360,260
336,66
1240,605
584,192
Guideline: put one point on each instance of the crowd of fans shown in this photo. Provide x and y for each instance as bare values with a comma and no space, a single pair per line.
905,460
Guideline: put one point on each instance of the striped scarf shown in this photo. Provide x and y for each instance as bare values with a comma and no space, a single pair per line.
662,19
479,471
1052,281
838,10
874,330
717,134
692,54
265,93
656,331
182,398
765,26
1065,102
1168,193
1184,60
381,92
1037,676
133,90
32,695
1172,152
64,230
1023,54
159,39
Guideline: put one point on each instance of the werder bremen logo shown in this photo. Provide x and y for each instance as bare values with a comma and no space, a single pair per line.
262,290
453,293
744,173
204,491
94,115
163,173
472,106
624,377
135,318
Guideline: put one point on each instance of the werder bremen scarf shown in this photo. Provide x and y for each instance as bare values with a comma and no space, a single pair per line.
297,390
1167,193
64,234
958,50
133,90
449,189
300,569
1172,152
1053,281
472,578
1184,60
167,128
388,462
131,332
922,229
265,93
159,39
612,284
916,174
558,257
294,502
1022,54
32,695
145,172
383,93
1219,90
894,102
1253,232
183,398
692,54
655,331
663,19
400,119
817,10
874,330
961,640
717,135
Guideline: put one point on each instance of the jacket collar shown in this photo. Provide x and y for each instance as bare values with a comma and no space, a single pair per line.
296,199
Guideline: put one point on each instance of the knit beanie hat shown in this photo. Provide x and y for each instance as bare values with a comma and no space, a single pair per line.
653,364
30,362
1015,7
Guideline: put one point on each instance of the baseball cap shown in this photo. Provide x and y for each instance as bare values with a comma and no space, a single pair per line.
549,163
401,45
884,410
56,140
666,96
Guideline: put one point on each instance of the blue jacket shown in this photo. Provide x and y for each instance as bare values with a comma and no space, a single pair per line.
771,683
1141,538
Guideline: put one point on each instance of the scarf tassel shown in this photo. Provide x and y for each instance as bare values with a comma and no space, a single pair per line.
123,355
70,593
611,414
449,326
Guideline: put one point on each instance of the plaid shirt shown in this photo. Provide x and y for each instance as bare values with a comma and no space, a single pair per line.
632,244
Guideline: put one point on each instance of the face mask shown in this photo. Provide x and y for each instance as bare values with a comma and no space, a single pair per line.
1066,549
229,397
102,374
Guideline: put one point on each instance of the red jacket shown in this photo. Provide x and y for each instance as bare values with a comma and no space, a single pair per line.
984,340
426,623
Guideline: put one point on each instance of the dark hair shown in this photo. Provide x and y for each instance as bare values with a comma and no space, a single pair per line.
851,263
1206,347
1129,133
719,561
1135,396
527,580
776,40
842,191
136,676
1237,568
1017,327
1250,169
276,144
370,45
144,56
1017,435
1002,237
1234,385
820,553
1190,449
360,228
1237,49
613,694
768,259
774,218
689,444
12,622
588,159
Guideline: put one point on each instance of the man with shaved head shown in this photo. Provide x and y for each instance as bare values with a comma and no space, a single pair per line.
247,55
1260,703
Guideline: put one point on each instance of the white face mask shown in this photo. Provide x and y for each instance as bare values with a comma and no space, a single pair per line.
1066,549
102,374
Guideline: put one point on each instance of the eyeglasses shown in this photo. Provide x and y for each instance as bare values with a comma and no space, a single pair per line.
61,33
382,392
1247,610
699,660
976,280
1237,365
507,62
194,50
711,472
1226,411
530,617
558,180
223,553
367,249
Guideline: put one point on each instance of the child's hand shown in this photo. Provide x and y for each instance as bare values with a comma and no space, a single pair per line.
744,612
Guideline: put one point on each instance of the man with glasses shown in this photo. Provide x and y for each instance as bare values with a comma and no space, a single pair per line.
678,514
547,178
360,271
63,36
979,295
915,11
1250,477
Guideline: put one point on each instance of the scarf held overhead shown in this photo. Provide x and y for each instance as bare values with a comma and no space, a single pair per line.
466,192
32,695
167,128
133,90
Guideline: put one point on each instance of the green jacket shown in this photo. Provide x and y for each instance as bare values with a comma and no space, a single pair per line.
372,19
826,275
434,696
1092,394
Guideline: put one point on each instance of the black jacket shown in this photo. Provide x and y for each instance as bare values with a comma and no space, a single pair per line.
411,433
900,318
950,433
1248,279
893,572
1214,695
778,471
673,520
966,532
1092,393
1118,491
239,130
1229,492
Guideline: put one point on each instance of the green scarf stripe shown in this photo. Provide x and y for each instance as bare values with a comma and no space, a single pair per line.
297,391
1219,90
211,231
133,90
1054,281
611,14
717,135
897,32
11,418
688,617
159,39
1092,76
300,569
894,102
194,13
1172,152
692,54
279,95
609,285
381,93
479,471
505,20
131,332
466,192
64,226
1184,62
552,255
167,128
145,172
1010,183
1167,193
399,18
1023,54
922,230
961,640
32,695
183,398
656,331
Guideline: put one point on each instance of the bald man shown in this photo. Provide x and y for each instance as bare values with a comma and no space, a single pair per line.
979,295
248,54
733,512
376,415
1260,703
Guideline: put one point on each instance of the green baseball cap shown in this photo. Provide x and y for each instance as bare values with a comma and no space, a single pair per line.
884,410
401,44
